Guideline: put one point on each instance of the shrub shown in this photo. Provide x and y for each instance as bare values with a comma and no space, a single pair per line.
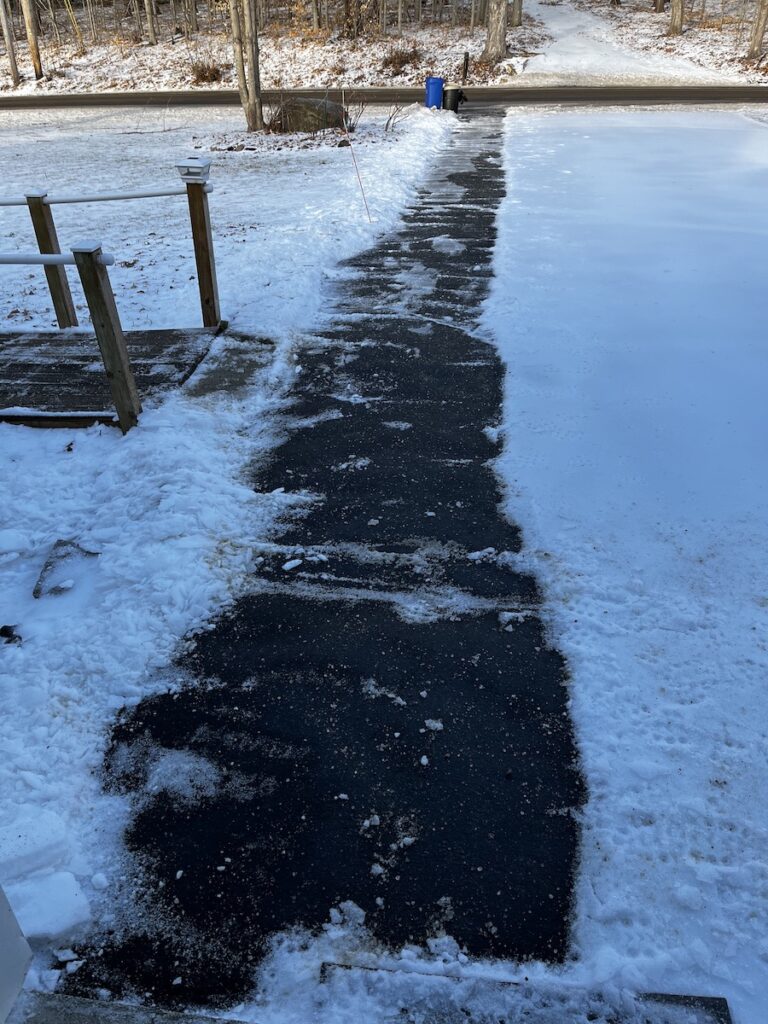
399,57
206,71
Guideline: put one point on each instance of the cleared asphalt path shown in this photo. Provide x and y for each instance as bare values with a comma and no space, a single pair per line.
382,719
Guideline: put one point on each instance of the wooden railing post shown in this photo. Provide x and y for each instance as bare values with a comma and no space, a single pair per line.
109,333
48,242
202,237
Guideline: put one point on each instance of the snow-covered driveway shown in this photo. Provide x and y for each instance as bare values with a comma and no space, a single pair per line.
630,303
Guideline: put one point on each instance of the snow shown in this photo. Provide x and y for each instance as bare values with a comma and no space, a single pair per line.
586,47
628,305
50,906
166,510
290,61
559,42
267,237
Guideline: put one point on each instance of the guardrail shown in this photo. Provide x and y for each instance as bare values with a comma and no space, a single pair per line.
92,265
194,173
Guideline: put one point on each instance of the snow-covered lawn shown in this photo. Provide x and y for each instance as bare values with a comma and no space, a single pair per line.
630,306
166,507
279,216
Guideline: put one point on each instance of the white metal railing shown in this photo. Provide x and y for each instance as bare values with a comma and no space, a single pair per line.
36,259
103,197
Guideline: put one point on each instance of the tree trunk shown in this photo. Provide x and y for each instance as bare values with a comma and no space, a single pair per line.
676,17
34,49
496,41
758,30
75,26
315,15
10,46
516,14
245,41
151,34
659,6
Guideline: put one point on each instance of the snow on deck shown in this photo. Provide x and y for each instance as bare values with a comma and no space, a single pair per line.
630,306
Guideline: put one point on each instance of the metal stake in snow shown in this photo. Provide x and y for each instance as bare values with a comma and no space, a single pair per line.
354,160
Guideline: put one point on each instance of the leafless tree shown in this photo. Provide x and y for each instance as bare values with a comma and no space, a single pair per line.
30,26
10,46
245,42
496,40
757,34
676,17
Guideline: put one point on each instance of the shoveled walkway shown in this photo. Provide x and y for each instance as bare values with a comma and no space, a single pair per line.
382,720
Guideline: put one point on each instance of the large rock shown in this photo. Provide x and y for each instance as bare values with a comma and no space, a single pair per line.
304,115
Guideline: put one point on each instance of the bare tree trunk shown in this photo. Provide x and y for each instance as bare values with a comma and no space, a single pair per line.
676,17
91,20
245,41
473,16
658,6
54,23
400,16
31,28
516,14
758,30
10,46
75,26
151,33
315,15
191,12
496,40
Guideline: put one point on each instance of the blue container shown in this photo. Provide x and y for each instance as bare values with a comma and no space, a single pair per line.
435,92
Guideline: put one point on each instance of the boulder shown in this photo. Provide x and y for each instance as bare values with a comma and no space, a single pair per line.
297,114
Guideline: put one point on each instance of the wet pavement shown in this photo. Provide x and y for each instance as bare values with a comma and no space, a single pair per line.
382,719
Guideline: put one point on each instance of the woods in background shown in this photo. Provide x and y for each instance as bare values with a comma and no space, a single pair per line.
32,28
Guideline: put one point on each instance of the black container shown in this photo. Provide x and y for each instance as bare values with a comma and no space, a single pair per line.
453,95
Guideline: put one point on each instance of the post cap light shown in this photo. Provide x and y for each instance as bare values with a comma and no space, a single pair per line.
194,169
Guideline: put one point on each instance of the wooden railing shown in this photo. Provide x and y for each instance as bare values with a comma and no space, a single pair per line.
92,265
194,173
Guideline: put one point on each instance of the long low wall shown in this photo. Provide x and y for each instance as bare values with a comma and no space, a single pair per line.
520,94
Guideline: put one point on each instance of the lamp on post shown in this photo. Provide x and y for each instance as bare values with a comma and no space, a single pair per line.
194,172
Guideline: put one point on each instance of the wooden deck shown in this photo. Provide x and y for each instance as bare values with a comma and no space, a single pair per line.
57,378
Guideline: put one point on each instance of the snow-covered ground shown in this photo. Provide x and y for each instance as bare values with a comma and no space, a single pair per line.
629,304
586,47
279,216
166,507
560,41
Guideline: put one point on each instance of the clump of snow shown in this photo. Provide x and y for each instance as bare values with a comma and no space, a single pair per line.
49,906
628,303
184,775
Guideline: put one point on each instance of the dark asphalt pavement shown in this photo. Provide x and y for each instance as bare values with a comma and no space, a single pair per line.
382,719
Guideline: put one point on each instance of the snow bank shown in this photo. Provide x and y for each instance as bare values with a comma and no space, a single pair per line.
629,305
164,512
